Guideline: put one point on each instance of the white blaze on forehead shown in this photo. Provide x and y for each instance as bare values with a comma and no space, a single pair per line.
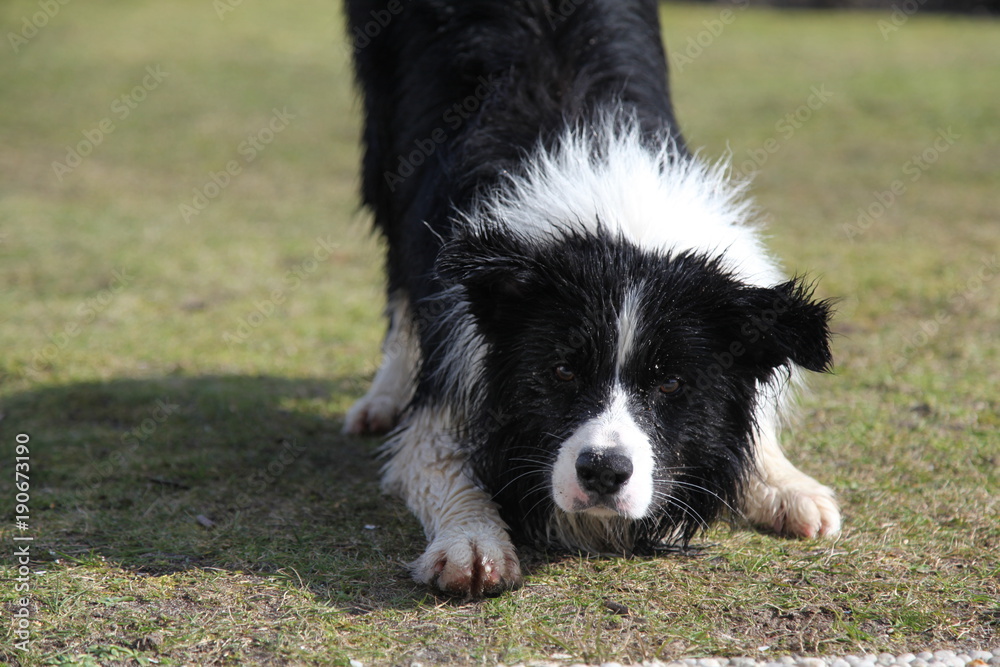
628,325
615,428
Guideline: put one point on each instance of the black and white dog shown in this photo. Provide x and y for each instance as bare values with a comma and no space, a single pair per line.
588,347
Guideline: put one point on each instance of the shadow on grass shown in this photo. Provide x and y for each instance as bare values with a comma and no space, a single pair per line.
239,473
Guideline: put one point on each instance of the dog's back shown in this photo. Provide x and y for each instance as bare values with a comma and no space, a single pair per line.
460,92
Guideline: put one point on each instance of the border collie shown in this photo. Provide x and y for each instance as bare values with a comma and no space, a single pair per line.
589,347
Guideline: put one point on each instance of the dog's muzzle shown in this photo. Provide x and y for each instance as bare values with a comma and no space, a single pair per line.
605,466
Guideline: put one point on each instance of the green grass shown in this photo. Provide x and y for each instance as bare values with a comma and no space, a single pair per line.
183,382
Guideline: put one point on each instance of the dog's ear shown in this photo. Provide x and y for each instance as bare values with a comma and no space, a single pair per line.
784,324
496,271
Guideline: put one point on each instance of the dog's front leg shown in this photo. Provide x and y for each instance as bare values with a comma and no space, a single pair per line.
392,388
469,552
785,499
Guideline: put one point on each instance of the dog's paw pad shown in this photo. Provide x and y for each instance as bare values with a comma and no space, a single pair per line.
806,511
470,567
372,415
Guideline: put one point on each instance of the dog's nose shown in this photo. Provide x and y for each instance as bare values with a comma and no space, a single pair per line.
603,472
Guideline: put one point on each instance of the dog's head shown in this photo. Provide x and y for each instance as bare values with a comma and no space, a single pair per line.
621,383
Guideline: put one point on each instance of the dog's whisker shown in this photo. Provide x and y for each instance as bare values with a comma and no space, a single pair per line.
703,489
513,481
684,507
667,482
543,490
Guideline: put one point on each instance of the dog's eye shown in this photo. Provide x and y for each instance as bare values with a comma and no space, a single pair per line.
671,386
564,373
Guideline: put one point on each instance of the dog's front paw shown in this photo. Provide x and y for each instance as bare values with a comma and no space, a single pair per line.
373,414
470,566
808,511
799,508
